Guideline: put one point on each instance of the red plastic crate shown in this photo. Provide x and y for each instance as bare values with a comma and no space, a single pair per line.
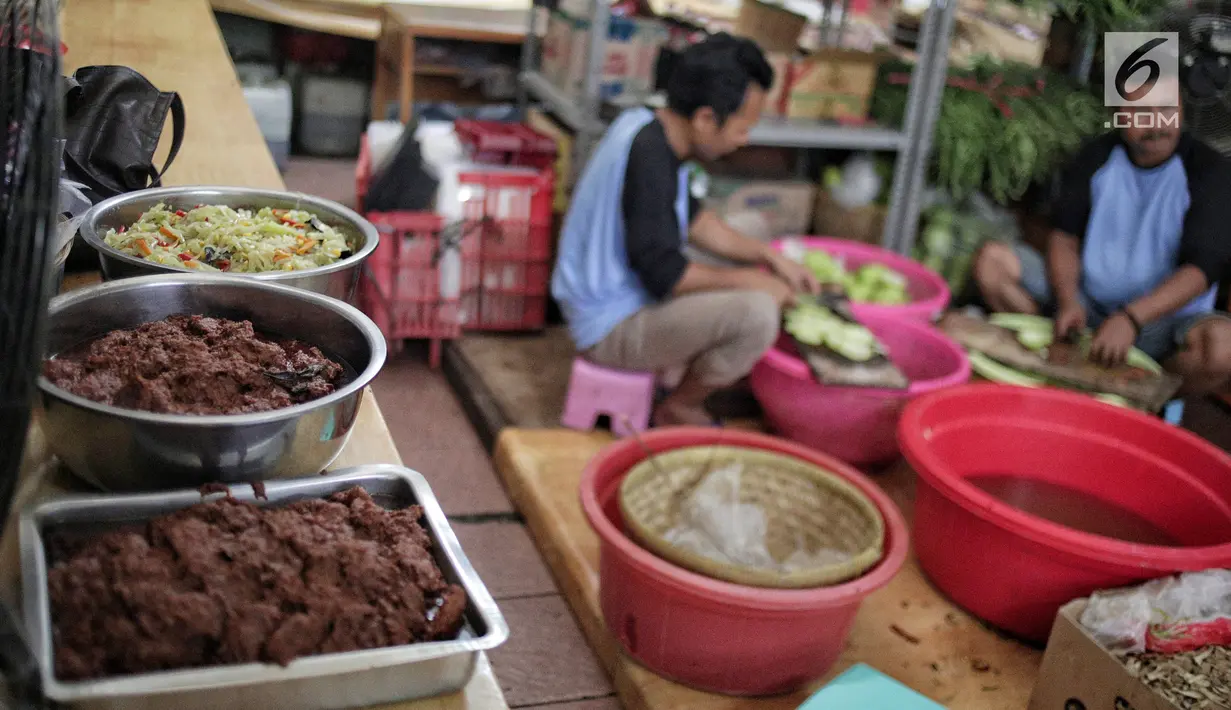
498,143
506,256
515,250
401,282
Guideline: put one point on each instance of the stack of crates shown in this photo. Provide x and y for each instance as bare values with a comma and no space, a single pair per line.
503,239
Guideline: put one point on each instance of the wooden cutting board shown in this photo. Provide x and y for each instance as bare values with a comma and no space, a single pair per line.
1064,363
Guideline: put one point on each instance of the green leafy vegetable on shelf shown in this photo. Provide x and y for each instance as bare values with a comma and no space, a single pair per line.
1114,15
870,283
813,324
1002,125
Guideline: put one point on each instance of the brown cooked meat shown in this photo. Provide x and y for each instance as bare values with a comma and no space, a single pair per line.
195,365
228,582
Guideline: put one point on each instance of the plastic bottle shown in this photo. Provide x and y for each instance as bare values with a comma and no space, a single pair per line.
450,267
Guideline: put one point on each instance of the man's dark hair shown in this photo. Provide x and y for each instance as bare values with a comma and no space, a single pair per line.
716,73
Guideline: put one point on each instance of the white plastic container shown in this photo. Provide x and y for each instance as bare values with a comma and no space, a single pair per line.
331,114
383,137
271,104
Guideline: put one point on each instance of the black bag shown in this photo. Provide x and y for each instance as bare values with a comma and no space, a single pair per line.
403,183
113,119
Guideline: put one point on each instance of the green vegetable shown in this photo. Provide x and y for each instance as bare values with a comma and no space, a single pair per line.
990,369
870,283
999,140
817,326
1034,339
1110,15
826,268
937,239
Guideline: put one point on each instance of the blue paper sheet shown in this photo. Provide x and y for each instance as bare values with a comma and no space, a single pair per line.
862,687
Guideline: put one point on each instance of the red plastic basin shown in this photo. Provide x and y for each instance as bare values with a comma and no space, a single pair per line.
1014,569
856,424
714,635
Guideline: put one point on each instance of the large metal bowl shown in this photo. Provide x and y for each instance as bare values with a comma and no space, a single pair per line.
128,450
337,280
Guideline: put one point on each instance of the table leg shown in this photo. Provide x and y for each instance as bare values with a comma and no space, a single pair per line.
406,70
380,85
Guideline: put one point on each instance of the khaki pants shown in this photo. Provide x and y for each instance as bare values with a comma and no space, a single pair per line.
717,335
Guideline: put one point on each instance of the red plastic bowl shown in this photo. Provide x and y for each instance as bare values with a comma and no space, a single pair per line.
856,424
714,635
929,293
1014,569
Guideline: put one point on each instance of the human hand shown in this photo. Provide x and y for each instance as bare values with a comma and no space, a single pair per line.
1113,340
796,275
1071,316
760,280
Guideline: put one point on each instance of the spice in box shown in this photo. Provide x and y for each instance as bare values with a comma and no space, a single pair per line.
1164,645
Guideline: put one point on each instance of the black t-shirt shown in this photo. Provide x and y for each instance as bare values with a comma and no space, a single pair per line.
1130,217
652,234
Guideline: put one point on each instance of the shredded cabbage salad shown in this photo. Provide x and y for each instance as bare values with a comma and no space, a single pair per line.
219,238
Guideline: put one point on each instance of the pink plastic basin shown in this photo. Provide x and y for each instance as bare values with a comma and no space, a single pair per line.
929,293
856,424
714,635
1014,569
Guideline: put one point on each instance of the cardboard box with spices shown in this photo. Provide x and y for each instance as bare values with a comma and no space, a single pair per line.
833,84
1079,674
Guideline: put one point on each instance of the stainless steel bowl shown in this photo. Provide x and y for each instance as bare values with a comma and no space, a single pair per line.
337,280
129,450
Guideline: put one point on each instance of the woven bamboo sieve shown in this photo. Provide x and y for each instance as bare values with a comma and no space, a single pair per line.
803,504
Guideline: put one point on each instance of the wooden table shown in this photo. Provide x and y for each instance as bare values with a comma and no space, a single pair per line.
222,145
492,22
347,18
937,649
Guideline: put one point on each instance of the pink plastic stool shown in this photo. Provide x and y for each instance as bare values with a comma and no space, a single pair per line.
624,395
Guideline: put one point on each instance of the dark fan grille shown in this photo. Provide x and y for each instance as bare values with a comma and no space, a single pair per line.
30,123
1204,27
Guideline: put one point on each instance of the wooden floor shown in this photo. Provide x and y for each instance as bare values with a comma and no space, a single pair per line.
906,630
526,376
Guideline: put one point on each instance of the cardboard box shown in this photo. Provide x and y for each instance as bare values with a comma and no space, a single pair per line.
628,56
557,48
775,28
833,84
775,98
863,224
1078,674
785,204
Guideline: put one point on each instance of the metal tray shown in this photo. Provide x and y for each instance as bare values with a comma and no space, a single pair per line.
323,682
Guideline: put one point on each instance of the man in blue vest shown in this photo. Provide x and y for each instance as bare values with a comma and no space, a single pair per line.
631,298
1141,237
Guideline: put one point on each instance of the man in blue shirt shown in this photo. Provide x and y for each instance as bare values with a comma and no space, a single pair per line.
631,298
1141,237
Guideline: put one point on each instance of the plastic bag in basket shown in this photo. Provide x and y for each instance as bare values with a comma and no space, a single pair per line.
714,522
1167,615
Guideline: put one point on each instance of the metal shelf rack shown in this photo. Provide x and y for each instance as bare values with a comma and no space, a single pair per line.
912,142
